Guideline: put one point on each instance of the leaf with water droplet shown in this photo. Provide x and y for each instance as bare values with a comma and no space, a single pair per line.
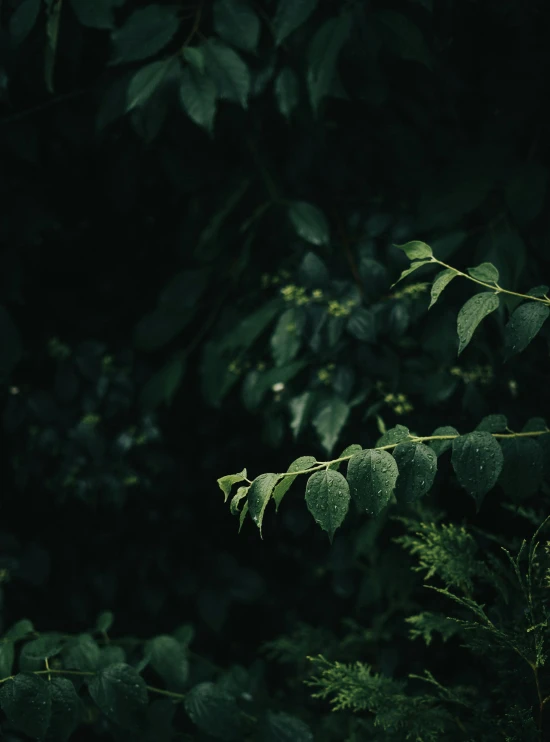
327,499
523,325
493,424
398,434
416,250
303,462
472,313
67,709
441,446
26,700
441,281
225,483
121,694
215,712
522,472
417,464
470,452
370,487
485,272
259,494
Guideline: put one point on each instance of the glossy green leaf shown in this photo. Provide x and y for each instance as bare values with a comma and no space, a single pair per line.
23,19
66,709
169,660
145,82
282,487
322,57
35,652
398,434
225,483
281,727
259,495
414,266
290,15
287,91
416,250
403,37
329,420
26,701
523,468
94,13
121,694
214,711
81,653
20,630
309,222
477,461
237,497
230,74
286,339
417,464
472,313
523,326
198,97
540,291
300,409
242,516
444,445
327,499
441,281
485,272
372,475
236,22
493,424
144,33
362,325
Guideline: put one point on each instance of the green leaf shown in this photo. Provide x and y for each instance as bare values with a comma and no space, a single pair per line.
441,446
94,13
259,494
523,325
472,313
163,384
225,483
309,222
362,325
81,653
23,19
526,192
195,57
403,37
237,23
493,424
242,516
145,82
486,272
327,499
37,650
121,694
416,250
230,74
477,461
322,57
245,332
66,709
441,281
291,14
303,462
20,630
214,711
372,476
104,621
10,345
540,291
26,700
286,338
235,500
417,464
198,97
144,33
287,91
300,408
330,418
348,451
523,468
281,727
408,271
169,660
7,654
398,434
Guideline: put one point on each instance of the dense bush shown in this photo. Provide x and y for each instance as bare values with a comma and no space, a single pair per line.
219,232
